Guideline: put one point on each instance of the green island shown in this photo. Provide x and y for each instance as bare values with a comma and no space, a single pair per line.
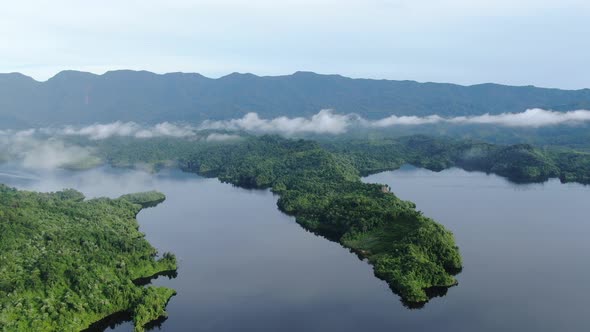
67,262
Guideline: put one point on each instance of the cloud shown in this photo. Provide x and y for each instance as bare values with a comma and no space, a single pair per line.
404,120
48,148
324,122
215,137
54,154
125,129
328,122
535,118
102,131
49,153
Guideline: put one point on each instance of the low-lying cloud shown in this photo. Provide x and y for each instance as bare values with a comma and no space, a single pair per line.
324,122
535,117
403,121
216,137
35,153
125,129
53,154
48,148
328,122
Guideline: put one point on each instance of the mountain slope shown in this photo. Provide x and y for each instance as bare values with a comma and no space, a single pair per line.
77,97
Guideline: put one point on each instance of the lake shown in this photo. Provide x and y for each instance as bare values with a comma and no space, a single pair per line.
245,266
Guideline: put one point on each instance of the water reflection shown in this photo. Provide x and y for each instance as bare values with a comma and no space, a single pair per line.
172,274
110,322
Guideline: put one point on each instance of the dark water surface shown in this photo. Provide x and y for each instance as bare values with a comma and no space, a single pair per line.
244,266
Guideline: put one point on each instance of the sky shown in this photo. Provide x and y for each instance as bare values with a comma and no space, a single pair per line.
525,42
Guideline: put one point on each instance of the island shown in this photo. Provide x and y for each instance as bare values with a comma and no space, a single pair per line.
67,262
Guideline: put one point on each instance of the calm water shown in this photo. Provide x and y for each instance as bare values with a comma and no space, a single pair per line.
244,266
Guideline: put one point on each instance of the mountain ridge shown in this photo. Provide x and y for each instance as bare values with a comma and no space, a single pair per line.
77,97
296,73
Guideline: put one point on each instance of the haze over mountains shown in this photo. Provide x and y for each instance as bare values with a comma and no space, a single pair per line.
73,97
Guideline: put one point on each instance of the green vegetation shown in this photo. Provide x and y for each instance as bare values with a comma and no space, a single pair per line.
66,262
145,199
519,163
150,154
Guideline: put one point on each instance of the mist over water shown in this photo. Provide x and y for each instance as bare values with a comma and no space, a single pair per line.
244,266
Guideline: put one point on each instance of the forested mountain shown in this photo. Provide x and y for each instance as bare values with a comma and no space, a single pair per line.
73,97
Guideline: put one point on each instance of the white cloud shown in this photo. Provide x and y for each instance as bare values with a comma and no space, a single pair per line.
34,153
125,129
535,117
324,122
328,122
53,154
102,131
404,120
44,148
215,137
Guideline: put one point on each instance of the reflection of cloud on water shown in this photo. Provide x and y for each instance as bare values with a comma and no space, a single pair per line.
103,181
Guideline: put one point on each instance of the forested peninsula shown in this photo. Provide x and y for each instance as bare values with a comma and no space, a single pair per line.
67,262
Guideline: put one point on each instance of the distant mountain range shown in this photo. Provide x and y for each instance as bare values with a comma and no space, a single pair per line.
73,97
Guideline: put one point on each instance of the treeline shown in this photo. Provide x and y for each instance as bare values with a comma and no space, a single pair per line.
519,163
522,163
66,262
145,199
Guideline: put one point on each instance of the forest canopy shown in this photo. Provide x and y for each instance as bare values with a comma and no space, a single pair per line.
67,262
